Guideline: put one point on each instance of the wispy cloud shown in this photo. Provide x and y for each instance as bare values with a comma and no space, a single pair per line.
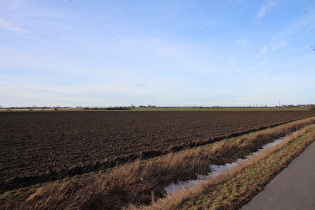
282,39
11,27
271,47
265,8
306,22
241,42
16,29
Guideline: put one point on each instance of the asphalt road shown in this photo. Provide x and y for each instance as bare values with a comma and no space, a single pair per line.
293,188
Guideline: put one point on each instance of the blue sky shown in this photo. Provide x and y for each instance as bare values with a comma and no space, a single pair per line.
167,53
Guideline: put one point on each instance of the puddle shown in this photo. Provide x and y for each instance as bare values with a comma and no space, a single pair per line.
215,170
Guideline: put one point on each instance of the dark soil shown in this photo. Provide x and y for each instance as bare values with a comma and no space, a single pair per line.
42,146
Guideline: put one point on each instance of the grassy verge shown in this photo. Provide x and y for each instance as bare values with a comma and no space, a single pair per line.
236,187
142,182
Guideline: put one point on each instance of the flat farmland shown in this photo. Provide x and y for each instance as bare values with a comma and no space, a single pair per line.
42,146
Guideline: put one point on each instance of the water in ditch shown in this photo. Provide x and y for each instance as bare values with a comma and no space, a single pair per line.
215,170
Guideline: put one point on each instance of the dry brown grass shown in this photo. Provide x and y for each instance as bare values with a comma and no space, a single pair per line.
234,188
143,182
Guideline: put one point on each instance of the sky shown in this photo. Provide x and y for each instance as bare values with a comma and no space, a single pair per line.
157,52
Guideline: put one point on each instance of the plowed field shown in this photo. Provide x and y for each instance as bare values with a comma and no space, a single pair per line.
42,146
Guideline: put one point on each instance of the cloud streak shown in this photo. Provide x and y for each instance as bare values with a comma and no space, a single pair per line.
16,29
11,27
267,6
307,22
281,40
194,53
